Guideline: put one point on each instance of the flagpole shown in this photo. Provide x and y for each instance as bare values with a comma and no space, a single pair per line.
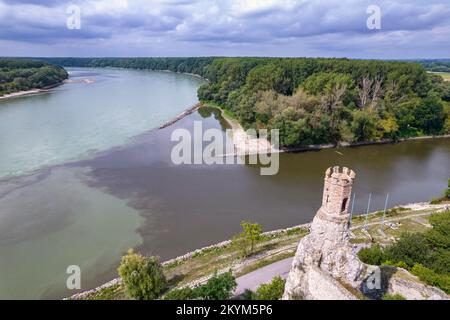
367,212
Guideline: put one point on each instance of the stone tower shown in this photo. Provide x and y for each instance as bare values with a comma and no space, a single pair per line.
324,259
337,190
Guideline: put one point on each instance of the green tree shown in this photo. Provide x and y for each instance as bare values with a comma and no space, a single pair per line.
219,287
447,192
429,115
142,277
246,240
270,291
364,125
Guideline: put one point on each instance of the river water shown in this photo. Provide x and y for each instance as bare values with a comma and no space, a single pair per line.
85,175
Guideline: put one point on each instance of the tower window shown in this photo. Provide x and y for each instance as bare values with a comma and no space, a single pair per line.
344,204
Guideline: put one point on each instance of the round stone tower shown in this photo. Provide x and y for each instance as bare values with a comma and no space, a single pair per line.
337,191
325,255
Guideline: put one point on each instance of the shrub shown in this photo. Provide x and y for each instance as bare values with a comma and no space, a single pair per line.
409,248
248,295
393,297
430,277
372,255
398,264
438,236
142,277
447,192
180,294
271,291
219,287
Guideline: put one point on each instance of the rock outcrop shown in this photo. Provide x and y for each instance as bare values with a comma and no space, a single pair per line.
326,266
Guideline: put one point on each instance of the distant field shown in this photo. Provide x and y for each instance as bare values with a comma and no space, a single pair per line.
445,75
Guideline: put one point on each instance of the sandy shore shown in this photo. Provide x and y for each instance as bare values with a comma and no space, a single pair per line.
22,93
245,144
31,91
87,81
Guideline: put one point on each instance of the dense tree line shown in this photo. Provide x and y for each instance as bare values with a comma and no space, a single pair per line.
330,100
25,74
436,65
186,65
313,100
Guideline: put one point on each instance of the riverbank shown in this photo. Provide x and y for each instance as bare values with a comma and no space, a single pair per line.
249,145
196,267
315,147
31,91
244,144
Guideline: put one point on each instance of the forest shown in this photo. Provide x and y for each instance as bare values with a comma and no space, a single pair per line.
24,74
436,65
314,100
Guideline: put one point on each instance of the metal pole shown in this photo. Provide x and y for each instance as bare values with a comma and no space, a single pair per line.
384,212
367,212
351,210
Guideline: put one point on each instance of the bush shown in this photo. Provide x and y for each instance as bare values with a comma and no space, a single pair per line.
426,255
372,255
430,277
219,287
409,248
142,277
180,294
248,295
271,291
393,297
447,192
398,264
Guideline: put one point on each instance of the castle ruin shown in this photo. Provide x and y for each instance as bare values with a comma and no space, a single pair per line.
325,264
326,267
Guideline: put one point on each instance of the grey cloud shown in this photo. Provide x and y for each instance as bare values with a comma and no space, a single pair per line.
231,25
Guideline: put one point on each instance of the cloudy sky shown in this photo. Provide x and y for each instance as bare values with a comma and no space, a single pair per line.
327,28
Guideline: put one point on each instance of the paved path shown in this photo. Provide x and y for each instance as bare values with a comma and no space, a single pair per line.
263,275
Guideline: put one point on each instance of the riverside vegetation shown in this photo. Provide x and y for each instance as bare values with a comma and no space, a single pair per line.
198,276
314,100
25,74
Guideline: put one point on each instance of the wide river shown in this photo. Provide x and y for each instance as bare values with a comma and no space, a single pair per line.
85,174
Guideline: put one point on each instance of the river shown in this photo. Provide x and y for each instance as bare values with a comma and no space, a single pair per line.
86,175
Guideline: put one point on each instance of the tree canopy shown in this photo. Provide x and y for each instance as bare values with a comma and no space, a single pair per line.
24,74
315,100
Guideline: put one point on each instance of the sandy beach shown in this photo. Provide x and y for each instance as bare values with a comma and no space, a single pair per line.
22,93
